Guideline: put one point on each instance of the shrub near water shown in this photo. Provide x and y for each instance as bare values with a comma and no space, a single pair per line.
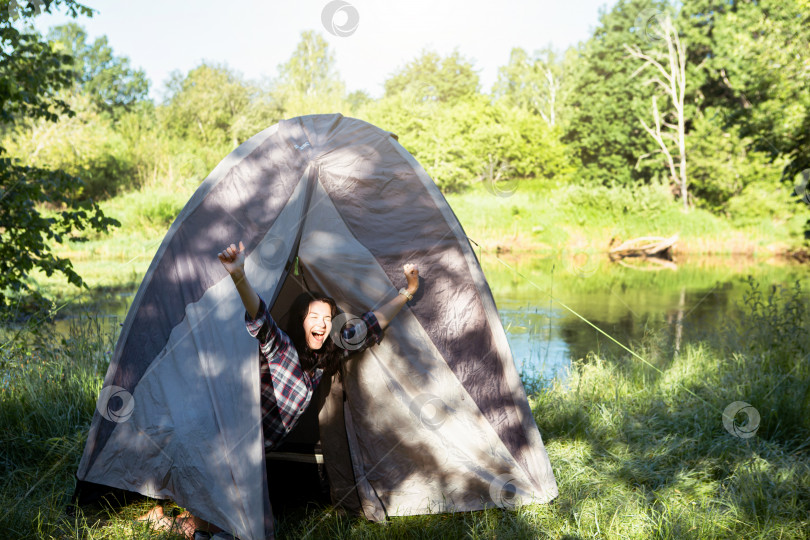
638,451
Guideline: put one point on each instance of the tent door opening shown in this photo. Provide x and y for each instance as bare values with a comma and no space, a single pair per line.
313,463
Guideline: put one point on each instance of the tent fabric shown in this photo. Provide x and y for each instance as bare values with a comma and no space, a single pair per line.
432,419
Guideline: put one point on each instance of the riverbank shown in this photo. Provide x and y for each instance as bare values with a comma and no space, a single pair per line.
638,443
532,217
526,218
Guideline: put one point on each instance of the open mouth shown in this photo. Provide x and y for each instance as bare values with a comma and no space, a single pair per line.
318,335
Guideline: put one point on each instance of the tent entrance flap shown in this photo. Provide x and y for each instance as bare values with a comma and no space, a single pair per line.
311,175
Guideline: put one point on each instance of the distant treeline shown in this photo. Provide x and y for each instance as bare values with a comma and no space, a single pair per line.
576,116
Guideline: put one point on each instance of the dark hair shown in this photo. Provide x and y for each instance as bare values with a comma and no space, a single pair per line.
328,357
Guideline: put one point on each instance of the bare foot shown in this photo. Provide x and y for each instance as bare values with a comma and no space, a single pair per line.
185,524
157,519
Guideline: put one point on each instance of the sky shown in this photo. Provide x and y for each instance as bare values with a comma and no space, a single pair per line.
371,39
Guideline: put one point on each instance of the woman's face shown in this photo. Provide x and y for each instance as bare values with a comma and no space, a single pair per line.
317,324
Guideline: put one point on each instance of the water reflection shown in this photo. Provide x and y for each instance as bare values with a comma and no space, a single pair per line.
641,310
533,334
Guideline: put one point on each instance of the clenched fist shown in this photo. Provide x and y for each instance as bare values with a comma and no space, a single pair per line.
412,275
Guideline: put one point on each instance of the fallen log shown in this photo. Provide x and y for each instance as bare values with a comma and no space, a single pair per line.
645,246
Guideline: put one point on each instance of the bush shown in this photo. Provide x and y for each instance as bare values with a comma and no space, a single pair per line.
86,145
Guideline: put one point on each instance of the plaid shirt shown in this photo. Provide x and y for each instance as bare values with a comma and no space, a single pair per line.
286,389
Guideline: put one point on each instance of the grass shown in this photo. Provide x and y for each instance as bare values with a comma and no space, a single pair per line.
119,259
638,448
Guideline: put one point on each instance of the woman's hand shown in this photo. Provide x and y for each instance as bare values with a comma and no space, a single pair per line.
233,258
412,275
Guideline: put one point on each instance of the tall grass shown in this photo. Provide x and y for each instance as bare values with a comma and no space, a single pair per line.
47,397
639,449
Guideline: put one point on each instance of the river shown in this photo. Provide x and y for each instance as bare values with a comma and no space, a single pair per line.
555,310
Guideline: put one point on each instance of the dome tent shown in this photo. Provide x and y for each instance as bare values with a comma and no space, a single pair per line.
432,419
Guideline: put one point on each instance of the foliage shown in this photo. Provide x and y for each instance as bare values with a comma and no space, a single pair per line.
112,84
765,203
308,82
755,60
31,74
205,104
638,452
746,123
773,324
433,78
85,144
722,163
605,101
471,140
533,83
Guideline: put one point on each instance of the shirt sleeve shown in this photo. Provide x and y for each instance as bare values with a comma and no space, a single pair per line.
292,388
271,338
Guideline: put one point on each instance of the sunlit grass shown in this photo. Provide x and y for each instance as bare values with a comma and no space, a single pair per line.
638,448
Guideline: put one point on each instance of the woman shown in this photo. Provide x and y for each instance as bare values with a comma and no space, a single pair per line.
293,363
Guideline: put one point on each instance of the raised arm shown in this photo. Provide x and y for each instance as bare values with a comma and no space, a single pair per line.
388,311
233,259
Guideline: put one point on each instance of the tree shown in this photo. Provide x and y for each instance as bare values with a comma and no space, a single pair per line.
722,165
602,96
431,77
673,87
756,67
107,78
308,82
86,143
471,140
31,74
357,99
205,104
532,83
